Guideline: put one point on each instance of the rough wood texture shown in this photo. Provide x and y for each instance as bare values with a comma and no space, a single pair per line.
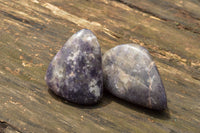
32,31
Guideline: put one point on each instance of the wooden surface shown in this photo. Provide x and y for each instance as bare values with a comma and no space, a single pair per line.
32,31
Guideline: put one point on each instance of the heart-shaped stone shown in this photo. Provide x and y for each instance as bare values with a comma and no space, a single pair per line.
130,74
75,73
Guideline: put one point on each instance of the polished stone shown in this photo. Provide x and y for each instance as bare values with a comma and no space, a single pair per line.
75,73
131,74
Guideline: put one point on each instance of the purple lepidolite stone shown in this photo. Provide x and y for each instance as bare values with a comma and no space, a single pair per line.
130,74
75,73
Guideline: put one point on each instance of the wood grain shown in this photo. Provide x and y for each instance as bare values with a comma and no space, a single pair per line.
31,33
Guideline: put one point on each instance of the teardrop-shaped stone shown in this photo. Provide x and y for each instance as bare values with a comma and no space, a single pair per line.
130,74
75,73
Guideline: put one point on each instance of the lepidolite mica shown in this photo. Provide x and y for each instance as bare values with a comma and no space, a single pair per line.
130,74
75,73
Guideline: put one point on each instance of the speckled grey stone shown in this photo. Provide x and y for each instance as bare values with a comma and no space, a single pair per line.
130,74
75,73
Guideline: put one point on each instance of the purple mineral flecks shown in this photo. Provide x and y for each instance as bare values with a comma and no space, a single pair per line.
131,74
75,73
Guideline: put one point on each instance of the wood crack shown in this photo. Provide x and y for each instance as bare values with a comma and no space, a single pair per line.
22,20
6,126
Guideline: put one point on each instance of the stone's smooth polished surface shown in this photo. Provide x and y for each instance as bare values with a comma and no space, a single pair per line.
130,74
75,73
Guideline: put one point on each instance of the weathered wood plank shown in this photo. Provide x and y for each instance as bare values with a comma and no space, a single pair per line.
185,14
31,32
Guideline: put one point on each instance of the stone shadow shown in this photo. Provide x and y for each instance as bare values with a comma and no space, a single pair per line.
108,98
160,114
103,102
